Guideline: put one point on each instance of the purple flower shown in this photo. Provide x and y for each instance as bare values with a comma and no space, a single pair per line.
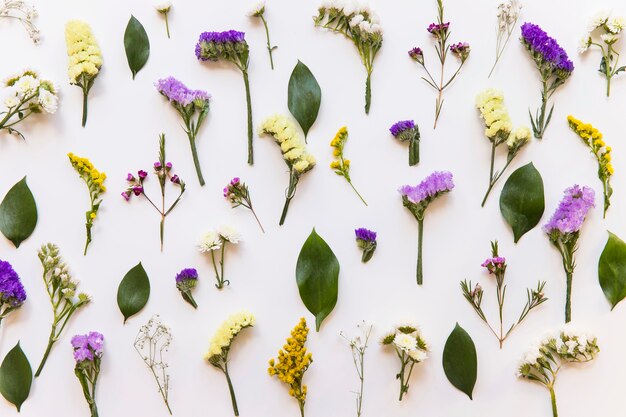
175,179
538,42
178,93
572,210
401,126
461,49
365,234
438,29
437,183
187,274
88,346
137,190
130,177
206,48
417,54
142,174
126,194
494,264
366,240
157,165
168,166
12,291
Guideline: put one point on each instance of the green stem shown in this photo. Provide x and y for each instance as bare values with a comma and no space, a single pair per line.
553,401
357,193
257,219
269,45
301,405
161,230
285,209
231,390
568,297
196,161
491,183
46,353
85,95
167,26
420,234
414,152
368,92
220,282
246,82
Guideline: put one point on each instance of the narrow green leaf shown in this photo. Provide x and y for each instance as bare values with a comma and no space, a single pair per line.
304,96
16,377
137,45
459,360
133,292
612,270
522,200
18,213
317,275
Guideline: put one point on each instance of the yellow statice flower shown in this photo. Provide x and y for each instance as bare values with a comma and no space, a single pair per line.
340,165
223,337
293,361
594,140
498,123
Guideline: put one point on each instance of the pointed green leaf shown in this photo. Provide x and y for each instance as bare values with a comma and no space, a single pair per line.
133,292
459,360
522,200
18,213
304,96
137,45
317,275
612,270
16,377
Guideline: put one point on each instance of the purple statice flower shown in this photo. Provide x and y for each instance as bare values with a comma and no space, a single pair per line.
538,41
407,131
399,127
436,184
366,240
209,42
88,347
185,281
178,93
12,294
365,235
438,29
570,215
186,274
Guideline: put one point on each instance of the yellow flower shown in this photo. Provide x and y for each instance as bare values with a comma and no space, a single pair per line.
335,165
490,103
223,337
85,57
291,145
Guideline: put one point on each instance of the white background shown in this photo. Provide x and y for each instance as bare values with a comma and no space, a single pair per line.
121,136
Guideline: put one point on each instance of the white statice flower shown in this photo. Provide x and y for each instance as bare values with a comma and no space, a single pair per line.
609,38
616,24
559,344
349,8
229,234
210,241
599,19
584,43
48,101
571,346
257,10
365,26
405,342
418,355
533,355
376,28
27,85
163,6
356,20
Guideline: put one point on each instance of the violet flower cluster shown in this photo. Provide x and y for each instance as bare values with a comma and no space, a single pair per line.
238,194
563,230
408,131
554,68
186,281
88,351
88,347
12,294
193,107
366,240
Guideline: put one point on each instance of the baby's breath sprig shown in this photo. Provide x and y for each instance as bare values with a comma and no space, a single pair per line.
358,346
340,164
23,11
508,15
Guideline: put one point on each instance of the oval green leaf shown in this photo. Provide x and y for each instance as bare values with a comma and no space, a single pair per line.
612,270
459,360
18,213
304,96
522,200
317,275
137,45
16,377
133,292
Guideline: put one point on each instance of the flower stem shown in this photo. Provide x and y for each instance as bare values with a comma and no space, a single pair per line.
196,161
257,219
85,95
246,82
167,26
285,209
231,390
47,352
269,45
568,297
301,405
357,193
161,229
553,401
420,234
414,152
368,92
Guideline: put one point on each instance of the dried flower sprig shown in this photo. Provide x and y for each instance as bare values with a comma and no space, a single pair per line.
298,159
563,230
162,170
408,131
85,58
221,343
496,266
163,7
215,240
543,361
340,165
554,67
411,348
361,25
88,351
152,343
193,107
593,139
508,15
441,32
417,199
292,363
25,13
611,28
366,239
499,130
231,46
186,281
238,194
258,10
95,183
61,288
25,94
12,294
358,347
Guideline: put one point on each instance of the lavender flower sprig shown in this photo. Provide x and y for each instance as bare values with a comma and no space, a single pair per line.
162,170
238,194
441,31
231,46
366,239
186,281
88,350
554,67
563,230
508,15
408,131
193,106
12,294
417,199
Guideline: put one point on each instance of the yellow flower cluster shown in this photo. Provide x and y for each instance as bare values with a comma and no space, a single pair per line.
491,105
593,139
293,361
518,138
93,177
85,57
286,135
223,337
341,165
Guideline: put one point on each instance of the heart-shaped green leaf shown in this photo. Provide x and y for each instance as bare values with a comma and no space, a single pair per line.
317,275
612,270
137,45
304,96
16,377
133,292
459,360
522,200
18,213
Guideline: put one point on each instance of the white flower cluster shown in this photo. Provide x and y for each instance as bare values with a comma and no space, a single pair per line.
361,19
27,90
508,13
612,28
57,275
24,12
214,239
407,340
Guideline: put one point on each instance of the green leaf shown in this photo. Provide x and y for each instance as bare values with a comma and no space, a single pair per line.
522,200
18,213
133,292
304,96
459,360
612,270
16,377
317,275
137,45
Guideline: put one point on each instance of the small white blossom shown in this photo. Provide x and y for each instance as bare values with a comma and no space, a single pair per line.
163,6
229,233
599,19
210,241
48,101
356,20
257,10
365,26
27,85
609,38
418,355
584,43
405,342
616,25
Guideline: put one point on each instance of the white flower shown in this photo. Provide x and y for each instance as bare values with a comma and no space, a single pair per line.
257,10
48,101
559,344
163,6
599,19
27,85
349,8
376,28
418,355
584,43
356,20
11,99
230,234
616,25
533,355
365,26
405,342
571,346
609,38
210,241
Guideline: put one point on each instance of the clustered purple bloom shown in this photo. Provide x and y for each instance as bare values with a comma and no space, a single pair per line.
438,29
572,210
365,235
431,187
220,38
11,289
232,188
494,264
461,49
178,92
135,184
87,347
417,54
538,41
402,126
186,275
